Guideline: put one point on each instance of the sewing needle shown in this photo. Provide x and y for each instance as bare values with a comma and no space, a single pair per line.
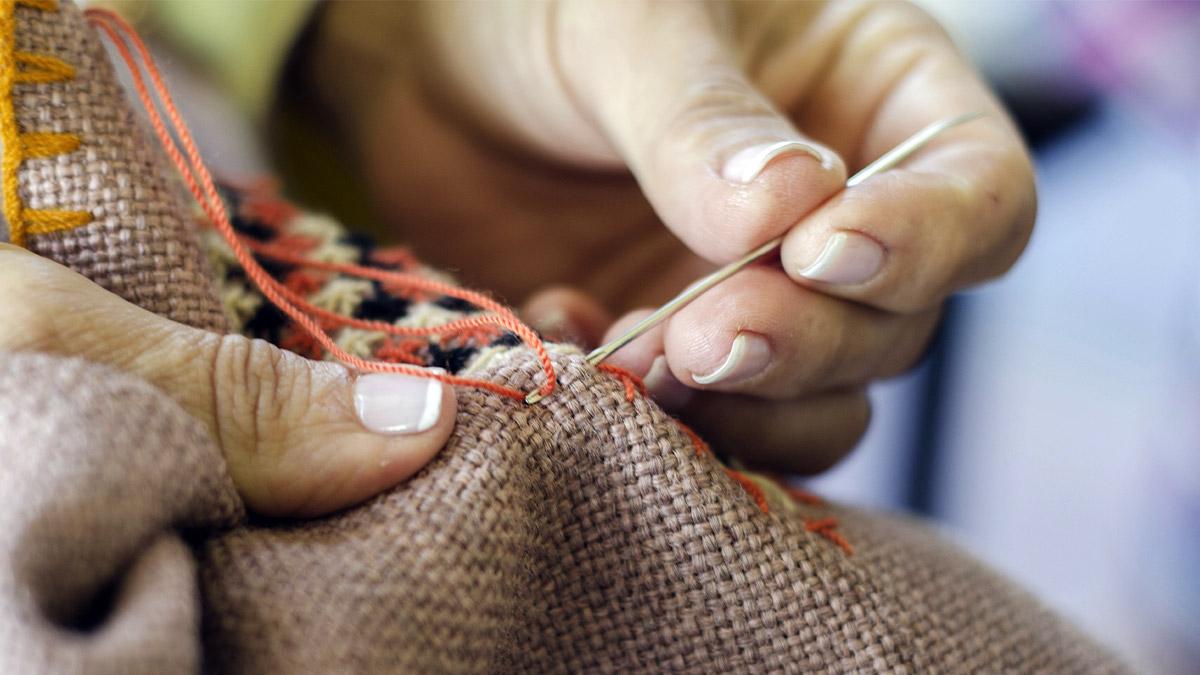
888,160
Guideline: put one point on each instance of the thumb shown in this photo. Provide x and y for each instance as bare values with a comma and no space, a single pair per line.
724,169
305,437
300,437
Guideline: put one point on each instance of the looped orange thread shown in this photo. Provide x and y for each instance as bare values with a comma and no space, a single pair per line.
305,315
633,383
827,527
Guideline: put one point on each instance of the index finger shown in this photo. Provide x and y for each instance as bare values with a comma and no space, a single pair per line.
958,212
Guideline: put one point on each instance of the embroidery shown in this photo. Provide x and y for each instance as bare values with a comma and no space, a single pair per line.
316,279
260,254
25,68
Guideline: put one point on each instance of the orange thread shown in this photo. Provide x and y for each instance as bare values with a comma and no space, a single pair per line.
398,256
403,351
41,68
198,179
48,144
633,383
697,442
827,528
271,212
751,489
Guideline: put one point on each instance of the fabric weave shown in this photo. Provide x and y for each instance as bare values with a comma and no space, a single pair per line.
585,533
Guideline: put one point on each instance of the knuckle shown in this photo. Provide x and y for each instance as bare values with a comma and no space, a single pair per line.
717,109
825,357
255,393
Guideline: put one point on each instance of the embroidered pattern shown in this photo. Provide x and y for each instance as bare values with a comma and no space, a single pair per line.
21,68
326,293
756,486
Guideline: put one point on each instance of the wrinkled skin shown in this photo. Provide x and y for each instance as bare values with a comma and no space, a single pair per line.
570,156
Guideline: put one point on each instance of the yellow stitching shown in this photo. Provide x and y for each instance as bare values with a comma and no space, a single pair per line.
47,144
45,221
44,5
42,68
11,160
17,146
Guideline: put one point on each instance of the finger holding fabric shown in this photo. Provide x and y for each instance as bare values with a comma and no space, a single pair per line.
573,132
301,438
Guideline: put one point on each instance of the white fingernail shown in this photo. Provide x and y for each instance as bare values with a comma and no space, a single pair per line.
847,259
748,356
390,403
745,165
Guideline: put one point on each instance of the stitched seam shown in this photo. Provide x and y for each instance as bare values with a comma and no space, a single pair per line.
38,144
38,68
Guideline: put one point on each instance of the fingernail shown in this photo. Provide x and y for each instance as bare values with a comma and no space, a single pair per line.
848,259
745,165
748,357
390,403
664,387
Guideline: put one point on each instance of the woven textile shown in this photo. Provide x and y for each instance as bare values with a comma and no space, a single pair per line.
134,238
586,533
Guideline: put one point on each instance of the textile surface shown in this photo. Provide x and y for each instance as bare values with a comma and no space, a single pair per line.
100,166
585,533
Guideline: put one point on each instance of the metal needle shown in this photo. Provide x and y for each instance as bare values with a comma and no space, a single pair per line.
888,160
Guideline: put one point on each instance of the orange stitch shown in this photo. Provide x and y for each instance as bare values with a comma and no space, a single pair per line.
296,243
633,383
827,528
39,144
44,5
751,489
301,343
404,351
267,210
198,179
41,68
395,255
473,335
697,442
303,282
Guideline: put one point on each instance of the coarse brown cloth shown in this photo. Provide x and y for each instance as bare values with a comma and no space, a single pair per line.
583,534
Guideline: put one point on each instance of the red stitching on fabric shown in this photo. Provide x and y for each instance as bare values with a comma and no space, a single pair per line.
827,527
198,179
753,489
633,383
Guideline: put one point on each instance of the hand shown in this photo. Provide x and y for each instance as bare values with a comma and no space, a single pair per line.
532,144
296,434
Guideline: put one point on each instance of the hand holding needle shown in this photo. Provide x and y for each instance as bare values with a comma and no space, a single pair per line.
887,161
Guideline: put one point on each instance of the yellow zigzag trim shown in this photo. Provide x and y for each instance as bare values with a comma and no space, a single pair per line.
19,67
42,68
45,221
48,145
44,5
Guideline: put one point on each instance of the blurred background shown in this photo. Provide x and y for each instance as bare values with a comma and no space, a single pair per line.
1055,429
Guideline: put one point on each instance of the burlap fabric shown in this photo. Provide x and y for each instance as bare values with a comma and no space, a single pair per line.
582,534
137,241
